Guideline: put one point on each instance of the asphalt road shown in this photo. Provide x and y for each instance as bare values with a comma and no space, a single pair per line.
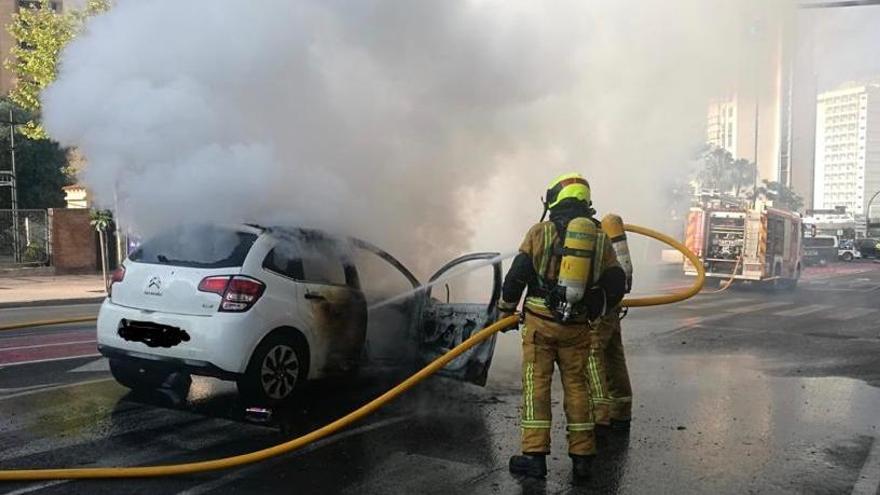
746,391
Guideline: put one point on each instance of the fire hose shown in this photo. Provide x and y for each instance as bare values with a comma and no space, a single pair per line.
729,282
357,414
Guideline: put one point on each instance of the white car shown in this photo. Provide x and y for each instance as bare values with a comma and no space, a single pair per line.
268,308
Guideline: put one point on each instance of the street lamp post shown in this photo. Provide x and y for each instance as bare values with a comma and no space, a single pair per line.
10,179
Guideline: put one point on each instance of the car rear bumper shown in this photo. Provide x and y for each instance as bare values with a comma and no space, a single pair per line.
223,341
193,366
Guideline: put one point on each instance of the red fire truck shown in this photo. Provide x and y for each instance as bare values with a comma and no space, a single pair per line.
749,244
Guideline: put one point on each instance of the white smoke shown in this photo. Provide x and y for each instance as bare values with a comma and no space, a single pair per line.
427,127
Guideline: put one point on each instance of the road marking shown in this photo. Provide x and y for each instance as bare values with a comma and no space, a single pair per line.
38,486
38,346
757,307
42,334
95,366
57,387
803,310
7,365
241,473
22,389
869,478
710,304
148,456
851,314
695,322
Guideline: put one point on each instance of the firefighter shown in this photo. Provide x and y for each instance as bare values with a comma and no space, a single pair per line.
609,376
572,279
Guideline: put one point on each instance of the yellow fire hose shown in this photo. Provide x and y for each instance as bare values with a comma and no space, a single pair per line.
352,417
729,282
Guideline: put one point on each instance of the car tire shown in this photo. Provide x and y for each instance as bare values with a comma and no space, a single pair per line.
277,369
847,257
140,377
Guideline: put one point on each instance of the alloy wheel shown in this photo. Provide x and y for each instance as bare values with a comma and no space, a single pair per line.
279,371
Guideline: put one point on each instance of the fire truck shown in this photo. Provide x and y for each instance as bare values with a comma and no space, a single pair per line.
755,244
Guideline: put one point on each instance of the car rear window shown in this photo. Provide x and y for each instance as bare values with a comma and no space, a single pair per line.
818,242
200,246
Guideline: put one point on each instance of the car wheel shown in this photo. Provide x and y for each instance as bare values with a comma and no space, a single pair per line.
140,377
847,256
276,371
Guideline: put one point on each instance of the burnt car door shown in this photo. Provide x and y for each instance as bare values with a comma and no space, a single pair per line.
434,326
444,325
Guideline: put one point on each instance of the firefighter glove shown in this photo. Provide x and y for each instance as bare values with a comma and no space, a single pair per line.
595,302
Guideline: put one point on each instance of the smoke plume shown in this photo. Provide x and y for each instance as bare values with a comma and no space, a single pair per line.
426,127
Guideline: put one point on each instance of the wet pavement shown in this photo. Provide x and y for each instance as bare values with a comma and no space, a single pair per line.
746,391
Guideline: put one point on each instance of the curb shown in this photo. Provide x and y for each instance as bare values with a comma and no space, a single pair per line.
51,302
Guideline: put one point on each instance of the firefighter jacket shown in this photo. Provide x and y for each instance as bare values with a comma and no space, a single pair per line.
536,268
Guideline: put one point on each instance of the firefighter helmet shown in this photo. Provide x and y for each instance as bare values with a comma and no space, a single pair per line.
567,186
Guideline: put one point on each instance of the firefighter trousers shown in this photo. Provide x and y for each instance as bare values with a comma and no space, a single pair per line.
545,344
609,376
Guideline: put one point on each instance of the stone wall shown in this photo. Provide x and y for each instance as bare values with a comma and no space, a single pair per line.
74,242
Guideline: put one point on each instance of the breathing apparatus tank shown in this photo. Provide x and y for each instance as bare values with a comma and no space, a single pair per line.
575,269
612,225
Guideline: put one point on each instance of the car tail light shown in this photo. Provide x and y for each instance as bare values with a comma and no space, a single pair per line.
217,285
239,293
116,276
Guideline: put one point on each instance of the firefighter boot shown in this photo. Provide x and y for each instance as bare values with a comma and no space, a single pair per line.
581,465
532,465
620,424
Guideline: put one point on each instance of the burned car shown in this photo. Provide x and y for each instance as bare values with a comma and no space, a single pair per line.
271,308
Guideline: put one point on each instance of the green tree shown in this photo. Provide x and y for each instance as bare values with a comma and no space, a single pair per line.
41,166
41,33
781,195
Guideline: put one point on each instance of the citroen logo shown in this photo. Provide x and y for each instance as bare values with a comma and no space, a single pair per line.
154,287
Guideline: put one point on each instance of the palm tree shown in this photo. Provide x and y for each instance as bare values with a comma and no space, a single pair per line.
101,220
716,169
725,174
743,174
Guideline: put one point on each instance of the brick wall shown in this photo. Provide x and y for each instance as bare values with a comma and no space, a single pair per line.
74,242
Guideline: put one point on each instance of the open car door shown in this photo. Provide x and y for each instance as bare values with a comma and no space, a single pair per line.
444,325
434,327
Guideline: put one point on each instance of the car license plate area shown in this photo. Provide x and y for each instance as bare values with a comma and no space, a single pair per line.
151,334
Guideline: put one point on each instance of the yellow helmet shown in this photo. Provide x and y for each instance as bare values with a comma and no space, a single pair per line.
567,186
